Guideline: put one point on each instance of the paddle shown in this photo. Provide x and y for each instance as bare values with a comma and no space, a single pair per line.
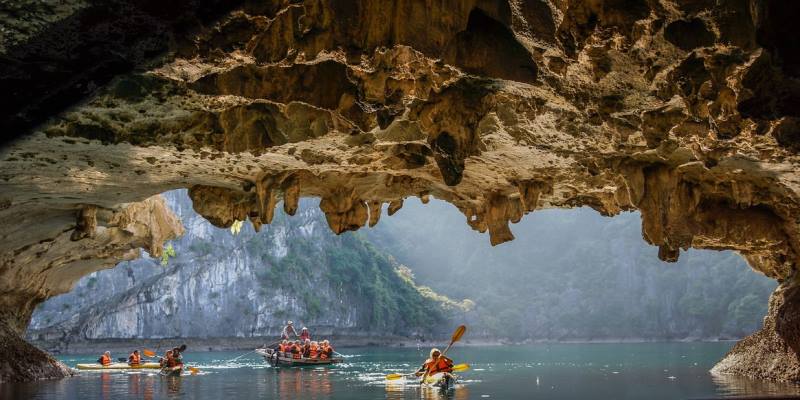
456,368
149,353
456,337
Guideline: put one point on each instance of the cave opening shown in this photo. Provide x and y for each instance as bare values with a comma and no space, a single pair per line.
571,275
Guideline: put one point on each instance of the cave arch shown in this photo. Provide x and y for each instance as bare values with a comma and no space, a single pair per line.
699,142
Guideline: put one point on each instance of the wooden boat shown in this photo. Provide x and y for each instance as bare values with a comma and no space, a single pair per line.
277,358
172,371
117,366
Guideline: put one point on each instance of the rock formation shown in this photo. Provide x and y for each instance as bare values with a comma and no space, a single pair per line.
686,110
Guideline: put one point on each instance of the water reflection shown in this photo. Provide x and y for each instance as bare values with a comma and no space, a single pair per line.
730,385
173,384
294,383
400,389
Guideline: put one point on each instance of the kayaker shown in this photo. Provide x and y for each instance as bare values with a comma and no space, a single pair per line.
135,359
326,351
176,355
435,364
313,350
297,350
167,360
304,334
287,330
105,359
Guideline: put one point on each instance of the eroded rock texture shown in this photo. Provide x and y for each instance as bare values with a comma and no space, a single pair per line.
686,110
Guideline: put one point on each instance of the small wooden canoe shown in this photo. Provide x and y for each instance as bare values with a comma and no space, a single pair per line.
277,358
117,366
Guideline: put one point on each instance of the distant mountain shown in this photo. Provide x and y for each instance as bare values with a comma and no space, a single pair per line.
221,285
575,275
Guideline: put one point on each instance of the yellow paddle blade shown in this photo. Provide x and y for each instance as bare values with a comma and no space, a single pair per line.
392,377
460,367
149,353
193,370
458,333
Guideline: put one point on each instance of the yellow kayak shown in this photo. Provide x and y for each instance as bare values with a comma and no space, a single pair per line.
117,366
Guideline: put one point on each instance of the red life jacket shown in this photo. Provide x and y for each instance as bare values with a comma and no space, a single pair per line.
105,360
441,364
134,359
304,335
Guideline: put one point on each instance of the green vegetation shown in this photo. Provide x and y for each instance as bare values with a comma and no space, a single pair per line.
166,253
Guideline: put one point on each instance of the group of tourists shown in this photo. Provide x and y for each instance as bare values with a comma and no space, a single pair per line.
303,346
172,358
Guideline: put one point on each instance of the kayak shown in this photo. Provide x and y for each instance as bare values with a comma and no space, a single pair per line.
277,358
117,366
172,371
441,380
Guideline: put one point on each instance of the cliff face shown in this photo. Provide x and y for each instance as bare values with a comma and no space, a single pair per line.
245,285
575,275
684,110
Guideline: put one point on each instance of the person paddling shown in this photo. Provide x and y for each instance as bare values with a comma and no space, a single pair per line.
435,364
105,359
288,330
135,360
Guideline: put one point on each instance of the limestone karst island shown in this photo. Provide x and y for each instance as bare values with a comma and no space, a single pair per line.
399,199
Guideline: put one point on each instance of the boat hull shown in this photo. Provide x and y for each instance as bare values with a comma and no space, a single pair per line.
441,381
277,358
172,371
116,367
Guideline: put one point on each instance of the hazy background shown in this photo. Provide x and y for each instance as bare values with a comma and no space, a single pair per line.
569,275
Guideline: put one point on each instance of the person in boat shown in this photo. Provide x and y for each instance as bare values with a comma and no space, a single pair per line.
176,355
305,335
285,346
297,350
435,364
135,360
288,330
306,348
166,360
313,350
105,359
326,351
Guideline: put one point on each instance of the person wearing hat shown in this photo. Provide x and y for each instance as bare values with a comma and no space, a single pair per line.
287,330
304,334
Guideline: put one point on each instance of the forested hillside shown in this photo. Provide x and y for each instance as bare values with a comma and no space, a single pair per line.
573,274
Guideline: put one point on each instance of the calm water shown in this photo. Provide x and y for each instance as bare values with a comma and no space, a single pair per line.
546,371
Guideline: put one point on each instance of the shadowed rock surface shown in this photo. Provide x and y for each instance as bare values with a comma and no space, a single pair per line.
684,110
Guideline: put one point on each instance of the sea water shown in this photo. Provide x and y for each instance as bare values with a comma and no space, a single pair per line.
541,371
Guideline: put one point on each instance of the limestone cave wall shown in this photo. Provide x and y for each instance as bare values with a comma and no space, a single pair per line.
686,110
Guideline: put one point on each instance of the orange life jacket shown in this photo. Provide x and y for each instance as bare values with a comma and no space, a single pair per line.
297,352
441,364
134,359
313,351
105,360
326,352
